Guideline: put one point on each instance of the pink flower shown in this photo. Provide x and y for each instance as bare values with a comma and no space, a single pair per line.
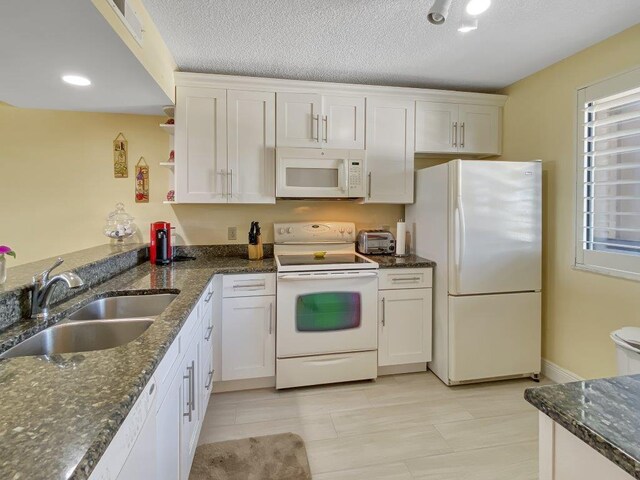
6,250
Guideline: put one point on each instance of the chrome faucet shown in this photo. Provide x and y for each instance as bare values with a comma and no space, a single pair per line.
43,288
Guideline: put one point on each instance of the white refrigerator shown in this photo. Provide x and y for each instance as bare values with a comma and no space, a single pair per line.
480,221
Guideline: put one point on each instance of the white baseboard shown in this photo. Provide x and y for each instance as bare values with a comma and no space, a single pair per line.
557,373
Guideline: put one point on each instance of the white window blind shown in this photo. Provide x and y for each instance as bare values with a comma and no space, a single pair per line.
608,194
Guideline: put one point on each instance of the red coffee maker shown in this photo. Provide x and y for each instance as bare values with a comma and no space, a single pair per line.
160,243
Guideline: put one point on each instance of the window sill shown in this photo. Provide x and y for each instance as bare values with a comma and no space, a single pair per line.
609,272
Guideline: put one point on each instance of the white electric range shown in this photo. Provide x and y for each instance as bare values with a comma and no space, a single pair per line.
327,329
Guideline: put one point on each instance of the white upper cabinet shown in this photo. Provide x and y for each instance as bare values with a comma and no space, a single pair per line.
225,146
458,128
251,143
298,116
390,144
316,121
201,145
480,130
436,125
342,122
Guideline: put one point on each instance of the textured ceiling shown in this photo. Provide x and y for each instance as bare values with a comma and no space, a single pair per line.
385,42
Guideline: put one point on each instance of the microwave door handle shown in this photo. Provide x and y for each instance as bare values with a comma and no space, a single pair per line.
345,174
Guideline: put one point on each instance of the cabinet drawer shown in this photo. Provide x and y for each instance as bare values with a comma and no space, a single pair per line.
249,285
400,278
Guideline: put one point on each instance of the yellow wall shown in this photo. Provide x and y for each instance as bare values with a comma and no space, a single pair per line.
57,186
579,308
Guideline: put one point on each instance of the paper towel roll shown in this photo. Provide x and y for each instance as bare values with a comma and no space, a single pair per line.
401,237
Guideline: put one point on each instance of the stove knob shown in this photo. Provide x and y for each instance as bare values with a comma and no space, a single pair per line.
281,231
289,230
342,230
349,231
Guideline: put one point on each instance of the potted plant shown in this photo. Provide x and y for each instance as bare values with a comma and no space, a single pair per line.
4,250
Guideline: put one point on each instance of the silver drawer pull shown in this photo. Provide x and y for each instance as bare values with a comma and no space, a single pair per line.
209,380
209,332
406,279
189,376
208,299
251,285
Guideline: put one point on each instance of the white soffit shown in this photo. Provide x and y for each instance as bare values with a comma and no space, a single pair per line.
384,42
42,40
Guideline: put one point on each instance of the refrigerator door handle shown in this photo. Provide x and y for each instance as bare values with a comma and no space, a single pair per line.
460,238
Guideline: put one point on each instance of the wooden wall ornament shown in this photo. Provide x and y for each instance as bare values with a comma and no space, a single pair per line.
142,181
120,157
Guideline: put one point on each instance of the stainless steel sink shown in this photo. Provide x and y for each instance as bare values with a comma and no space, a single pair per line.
132,306
69,337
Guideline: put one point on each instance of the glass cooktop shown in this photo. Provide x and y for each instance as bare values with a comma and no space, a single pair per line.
328,259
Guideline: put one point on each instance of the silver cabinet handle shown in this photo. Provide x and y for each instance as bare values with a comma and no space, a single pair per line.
462,135
209,332
208,299
270,318
209,380
231,183
315,132
189,377
369,187
153,387
406,279
251,285
384,307
325,121
193,385
455,134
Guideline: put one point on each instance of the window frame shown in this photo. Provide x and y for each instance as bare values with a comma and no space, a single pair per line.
606,263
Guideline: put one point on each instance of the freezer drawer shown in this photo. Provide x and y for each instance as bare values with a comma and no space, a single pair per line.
494,336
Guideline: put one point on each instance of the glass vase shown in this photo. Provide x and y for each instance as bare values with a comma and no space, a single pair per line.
3,269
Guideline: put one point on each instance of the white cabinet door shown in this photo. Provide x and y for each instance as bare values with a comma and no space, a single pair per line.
390,144
251,129
298,119
190,405
201,145
342,122
404,334
480,129
436,125
168,421
248,330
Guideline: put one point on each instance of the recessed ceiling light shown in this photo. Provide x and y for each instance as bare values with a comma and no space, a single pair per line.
76,80
476,7
468,26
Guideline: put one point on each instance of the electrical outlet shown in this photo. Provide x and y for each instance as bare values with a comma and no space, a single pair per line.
232,233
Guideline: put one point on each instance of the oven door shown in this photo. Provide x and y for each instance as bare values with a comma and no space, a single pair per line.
312,173
326,312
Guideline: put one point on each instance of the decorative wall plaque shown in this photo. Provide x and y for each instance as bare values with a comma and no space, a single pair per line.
120,157
142,181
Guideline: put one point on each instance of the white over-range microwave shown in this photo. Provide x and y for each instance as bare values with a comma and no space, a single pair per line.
320,173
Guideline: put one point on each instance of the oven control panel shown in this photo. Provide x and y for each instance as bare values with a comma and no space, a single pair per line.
314,232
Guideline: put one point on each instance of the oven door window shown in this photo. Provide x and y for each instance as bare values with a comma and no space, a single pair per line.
328,311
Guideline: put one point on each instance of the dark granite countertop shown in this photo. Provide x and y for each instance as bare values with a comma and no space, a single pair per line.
410,261
58,414
604,413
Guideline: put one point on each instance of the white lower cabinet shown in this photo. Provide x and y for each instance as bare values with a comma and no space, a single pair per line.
190,406
248,337
168,419
404,317
563,456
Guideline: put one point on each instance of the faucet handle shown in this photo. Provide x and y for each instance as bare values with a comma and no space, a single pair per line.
44,276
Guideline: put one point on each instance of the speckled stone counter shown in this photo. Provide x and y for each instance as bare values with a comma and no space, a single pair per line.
59,413
604,413
410,261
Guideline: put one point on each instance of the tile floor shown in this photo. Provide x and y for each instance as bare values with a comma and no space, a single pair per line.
398,427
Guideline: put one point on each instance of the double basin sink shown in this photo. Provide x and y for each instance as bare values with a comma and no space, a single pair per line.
104,323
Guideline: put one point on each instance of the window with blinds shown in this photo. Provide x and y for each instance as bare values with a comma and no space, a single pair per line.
608,203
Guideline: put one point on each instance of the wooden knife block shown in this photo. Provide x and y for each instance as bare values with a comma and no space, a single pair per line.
255,251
